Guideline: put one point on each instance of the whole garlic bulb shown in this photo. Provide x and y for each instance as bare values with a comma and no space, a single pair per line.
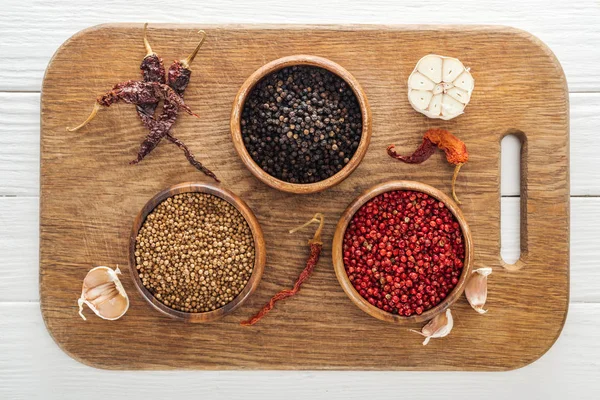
104,294
440,87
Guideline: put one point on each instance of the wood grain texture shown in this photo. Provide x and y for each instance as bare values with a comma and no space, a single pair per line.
33,367
19,218
571,29
20,143
90,196
19,249
585,158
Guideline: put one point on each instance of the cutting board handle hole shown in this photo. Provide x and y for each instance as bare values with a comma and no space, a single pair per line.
512,202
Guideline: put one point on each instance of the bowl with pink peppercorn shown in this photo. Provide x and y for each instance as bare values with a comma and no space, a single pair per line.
402,252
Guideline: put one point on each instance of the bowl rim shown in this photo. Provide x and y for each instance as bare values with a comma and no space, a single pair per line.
337,247
259,250
276,65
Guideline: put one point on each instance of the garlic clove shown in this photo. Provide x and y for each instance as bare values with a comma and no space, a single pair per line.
95,292
465,81
438,89
450,78
458,94
476,289
451,107
104,297
113,308
435,105
452,69
421,98
97,276
431,67
440,326
421,82
104,294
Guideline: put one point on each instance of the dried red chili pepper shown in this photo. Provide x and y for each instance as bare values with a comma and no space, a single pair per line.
160,129
455,149
178,78
138,93
179,74
145,95
316,245
153,70
422,153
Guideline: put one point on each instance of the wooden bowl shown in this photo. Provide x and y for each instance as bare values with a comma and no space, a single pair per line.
246,89
259,251
338,262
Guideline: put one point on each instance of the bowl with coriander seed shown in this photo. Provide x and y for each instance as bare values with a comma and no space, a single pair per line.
301,124
196,252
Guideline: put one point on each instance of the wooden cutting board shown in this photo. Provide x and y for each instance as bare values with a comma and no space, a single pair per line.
90,195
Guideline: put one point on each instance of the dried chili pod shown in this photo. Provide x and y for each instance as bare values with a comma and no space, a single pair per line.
136,92
146,95
152,67
190,157
179,74
178,78
160,129
422,153
316,245
153,70
455,150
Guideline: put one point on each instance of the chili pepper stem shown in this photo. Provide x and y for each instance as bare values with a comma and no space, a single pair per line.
318,217
149,51
188,61
454,176
91,117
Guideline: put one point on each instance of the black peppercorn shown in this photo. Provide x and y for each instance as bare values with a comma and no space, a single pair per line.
301,124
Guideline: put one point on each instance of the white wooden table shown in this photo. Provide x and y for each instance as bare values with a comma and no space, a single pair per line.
32,366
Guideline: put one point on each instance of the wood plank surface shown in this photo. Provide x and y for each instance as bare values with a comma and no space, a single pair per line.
90,195
570,28
19,243
32,366
20,143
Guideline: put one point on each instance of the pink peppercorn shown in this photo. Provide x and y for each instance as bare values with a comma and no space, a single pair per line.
403,252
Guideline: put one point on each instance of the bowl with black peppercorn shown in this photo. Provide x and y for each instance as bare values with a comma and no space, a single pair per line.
301,124
196,252
402,252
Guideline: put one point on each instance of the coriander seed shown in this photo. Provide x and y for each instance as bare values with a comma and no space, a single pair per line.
195,252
